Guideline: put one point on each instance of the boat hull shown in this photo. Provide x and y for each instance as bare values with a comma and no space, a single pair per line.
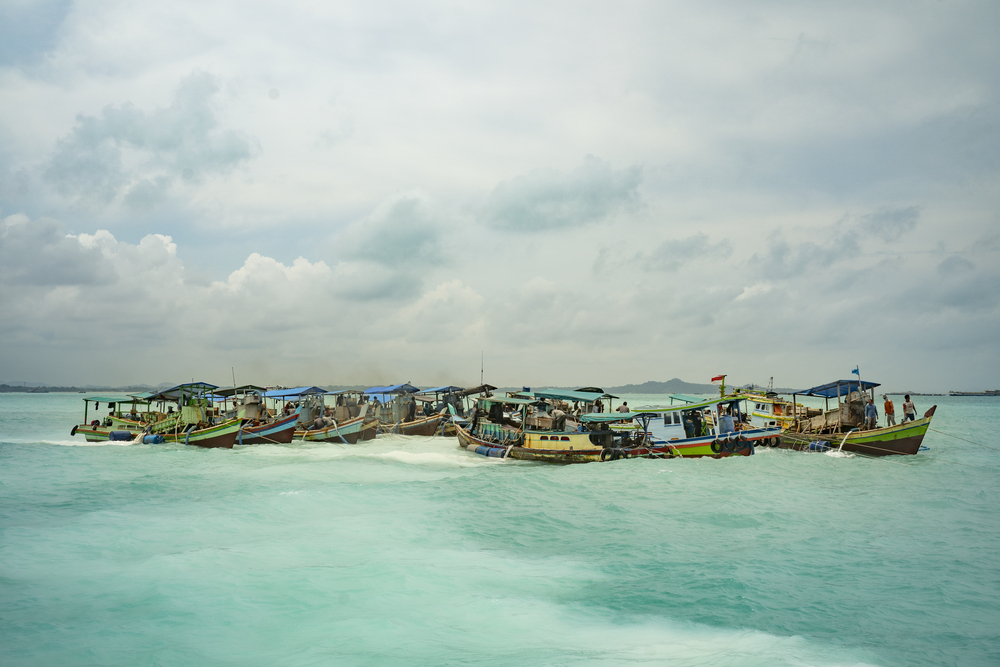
900,440
426,426
350,432
695,448
222,435
279,432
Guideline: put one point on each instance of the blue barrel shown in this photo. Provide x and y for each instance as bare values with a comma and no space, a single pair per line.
496,452
152,439
819,446
120,435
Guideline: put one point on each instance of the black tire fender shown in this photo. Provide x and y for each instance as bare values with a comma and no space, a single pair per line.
716,447
607,454
73,432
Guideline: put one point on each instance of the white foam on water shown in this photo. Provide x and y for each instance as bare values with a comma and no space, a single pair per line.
84,443
837,454
458,458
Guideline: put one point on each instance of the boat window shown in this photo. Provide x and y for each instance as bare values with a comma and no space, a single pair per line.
677,418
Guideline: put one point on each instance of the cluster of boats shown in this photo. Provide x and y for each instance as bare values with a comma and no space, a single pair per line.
555,425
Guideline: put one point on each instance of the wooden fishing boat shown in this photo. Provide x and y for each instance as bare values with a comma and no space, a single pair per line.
259,425
496,430
195,422
278,431
842,427
117,420
347,422
395,407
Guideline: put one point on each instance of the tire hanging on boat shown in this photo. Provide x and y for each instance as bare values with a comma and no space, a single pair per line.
716,447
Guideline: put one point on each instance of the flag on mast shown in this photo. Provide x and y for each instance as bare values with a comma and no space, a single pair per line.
856,371
718,377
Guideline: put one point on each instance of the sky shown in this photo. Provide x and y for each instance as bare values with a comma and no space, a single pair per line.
570,193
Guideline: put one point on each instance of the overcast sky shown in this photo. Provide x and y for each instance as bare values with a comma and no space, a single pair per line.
587,193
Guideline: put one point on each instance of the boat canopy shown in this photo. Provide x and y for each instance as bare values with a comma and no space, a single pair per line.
481,389
567,395
239,390
838,388
687,398
393,389
293,393
110,399
510,400
690,406
440,390
181,391
612,416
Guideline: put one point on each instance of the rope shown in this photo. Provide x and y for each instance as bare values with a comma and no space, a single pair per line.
978,444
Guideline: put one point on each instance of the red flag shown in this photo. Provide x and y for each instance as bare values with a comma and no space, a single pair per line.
718,377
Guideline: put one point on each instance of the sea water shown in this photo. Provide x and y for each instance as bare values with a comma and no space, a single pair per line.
408,550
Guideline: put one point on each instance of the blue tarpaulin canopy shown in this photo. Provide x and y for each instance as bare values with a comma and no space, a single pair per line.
294,393
837,388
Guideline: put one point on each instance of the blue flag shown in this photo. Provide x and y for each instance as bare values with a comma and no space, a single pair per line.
856,371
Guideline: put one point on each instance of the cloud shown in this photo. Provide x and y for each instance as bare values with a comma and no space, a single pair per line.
891,223
30,29
128,153
401,231
39,253
671,255
546,199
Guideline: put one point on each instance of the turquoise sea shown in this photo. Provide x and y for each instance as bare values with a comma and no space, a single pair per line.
412,551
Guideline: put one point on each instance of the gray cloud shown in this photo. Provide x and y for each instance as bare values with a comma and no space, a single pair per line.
38,253
182,141
30,29
671,255
891,223
546,199
402,231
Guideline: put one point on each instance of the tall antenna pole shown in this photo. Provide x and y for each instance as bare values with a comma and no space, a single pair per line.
233,369
482,365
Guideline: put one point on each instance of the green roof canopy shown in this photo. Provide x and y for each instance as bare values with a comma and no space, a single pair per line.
511,400
110,399
692,406
611,416
567,395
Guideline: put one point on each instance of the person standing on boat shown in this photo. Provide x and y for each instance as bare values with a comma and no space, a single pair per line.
871,415
909,411
890,411
558,420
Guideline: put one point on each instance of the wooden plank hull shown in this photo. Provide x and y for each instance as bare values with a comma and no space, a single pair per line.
222,435
350,432
425,426
902,439
278,432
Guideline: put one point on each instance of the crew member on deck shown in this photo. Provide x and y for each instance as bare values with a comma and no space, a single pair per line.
890,411
909,411
871,415
623,407
558,420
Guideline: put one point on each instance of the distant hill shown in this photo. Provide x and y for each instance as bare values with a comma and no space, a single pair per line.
674,386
